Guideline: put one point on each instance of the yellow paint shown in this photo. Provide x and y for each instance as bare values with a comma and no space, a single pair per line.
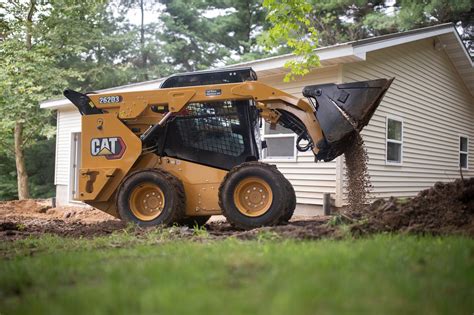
147,201
101,174
253,196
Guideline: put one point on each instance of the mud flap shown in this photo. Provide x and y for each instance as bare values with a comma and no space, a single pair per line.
343,110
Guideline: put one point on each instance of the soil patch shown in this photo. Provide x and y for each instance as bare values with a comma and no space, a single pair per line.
445,208
22,219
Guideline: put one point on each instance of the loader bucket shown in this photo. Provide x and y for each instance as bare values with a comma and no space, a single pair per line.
343,110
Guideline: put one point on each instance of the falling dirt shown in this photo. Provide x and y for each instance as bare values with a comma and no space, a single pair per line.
357,175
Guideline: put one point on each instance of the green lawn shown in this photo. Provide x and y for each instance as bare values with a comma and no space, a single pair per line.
123,274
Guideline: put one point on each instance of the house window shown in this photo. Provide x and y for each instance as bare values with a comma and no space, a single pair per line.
463,151
394,141
281,143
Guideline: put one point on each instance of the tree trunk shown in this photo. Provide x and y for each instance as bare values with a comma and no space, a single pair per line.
22,176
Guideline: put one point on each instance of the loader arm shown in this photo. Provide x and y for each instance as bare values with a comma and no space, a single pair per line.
133,106
120,127
324,124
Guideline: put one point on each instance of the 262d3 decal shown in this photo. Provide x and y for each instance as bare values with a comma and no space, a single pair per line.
110,147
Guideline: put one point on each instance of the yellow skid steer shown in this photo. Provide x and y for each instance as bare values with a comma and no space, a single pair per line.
191,148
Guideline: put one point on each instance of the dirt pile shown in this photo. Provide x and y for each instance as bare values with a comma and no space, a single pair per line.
445,208
357,175
42,209
20,219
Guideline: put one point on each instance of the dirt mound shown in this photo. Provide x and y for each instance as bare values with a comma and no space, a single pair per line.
29,206
23,218
445,208
42,209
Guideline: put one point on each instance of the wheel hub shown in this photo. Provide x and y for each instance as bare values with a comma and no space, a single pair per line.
147,201
253,196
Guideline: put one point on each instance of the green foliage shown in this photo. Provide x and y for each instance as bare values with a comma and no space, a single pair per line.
199,34
8,190
291,27
301,26
120,274
239,27
188,36
27,76
200,231
39,160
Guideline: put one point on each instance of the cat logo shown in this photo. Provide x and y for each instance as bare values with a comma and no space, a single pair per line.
112,148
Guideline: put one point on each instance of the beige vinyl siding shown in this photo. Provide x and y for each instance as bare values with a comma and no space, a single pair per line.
436,108
68,121
309,179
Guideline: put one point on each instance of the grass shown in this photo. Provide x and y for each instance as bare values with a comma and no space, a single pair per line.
123,274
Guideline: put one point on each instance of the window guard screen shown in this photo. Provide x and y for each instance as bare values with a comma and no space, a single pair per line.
210,127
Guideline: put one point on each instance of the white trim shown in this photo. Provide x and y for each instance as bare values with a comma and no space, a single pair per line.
276,136
72,159
398,40
463,152
58,123
387,140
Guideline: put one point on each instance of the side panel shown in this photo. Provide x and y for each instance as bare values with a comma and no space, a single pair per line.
201,183
109,150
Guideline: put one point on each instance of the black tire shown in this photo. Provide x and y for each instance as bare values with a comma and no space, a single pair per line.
171,187
193,221
291,202
272,177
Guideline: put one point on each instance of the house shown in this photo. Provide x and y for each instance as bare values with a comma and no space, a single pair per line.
421,133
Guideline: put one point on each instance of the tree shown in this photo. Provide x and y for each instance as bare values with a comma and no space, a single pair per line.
411,14
26,74
193,35
96,45
187,37
41,57
291,26
238,26
302,26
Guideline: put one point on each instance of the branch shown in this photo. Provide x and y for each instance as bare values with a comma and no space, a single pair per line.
15,3
7,146
27,137
29,23
31,11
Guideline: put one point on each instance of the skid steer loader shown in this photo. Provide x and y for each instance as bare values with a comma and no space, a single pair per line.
191,149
